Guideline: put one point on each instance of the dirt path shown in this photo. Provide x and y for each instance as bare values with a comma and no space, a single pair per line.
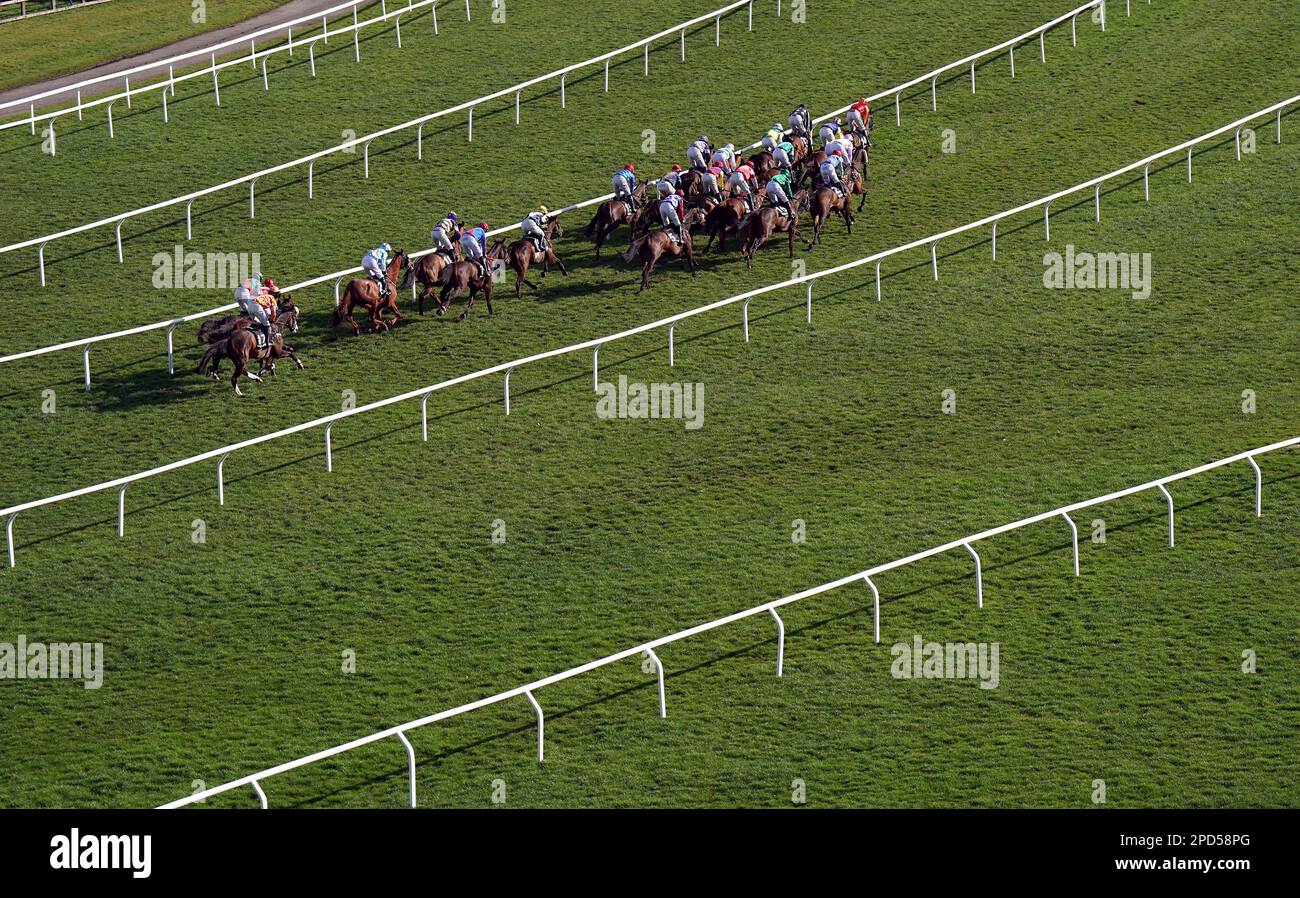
285,13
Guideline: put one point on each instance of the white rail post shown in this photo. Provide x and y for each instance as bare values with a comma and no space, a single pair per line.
311,178
1074,32
809,315
221,479
419,142
435,17
1146,182
467,10
40,260
424,418
934,97
325,29
1189,165
898,112
9,537
1279,125
1042,46
663,706
410,762
171,368
1238,139
1103,15
751,15
670,343
471,125
1170,500
128,91
118,233
79,102
1074,532
717,28
311,57
780,641
647,60
875,608
85,364
972,77
595,368
32,112
1259,487
266,84
979,575
337,283
934,258
563,99
329,449
290,40
995,239
1012,53
517,93
606,76
507,389
252,53
365,155
683,33
261,796
397,22
1096,196
356,42
744,318
166,117
216,84
877,282
252,202
121,511
110,120
1047,221
541,727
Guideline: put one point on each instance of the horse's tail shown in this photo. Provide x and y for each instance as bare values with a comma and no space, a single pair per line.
209,355
591,225
336,317
406,275
633,249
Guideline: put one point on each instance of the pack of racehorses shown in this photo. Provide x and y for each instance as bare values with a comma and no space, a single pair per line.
443,277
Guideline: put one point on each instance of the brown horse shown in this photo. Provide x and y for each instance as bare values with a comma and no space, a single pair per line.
217,329
364,292
427,272
724,219
609,216
524,252
827,200
241,346
461,276
808,169
769,220
656,244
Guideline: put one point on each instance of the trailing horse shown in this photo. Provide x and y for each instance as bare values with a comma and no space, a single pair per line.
364,292
241,346
215,330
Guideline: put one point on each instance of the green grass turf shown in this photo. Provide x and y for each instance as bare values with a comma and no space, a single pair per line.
225,658
51,45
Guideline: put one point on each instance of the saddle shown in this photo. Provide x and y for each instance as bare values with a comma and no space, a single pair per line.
259,335
448,254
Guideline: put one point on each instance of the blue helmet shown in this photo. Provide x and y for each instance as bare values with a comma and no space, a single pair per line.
452,216
385,247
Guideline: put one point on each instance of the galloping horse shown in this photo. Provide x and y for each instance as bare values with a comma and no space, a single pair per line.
241,346
459,276
724,219
427,270
609,216
768,220
657,244
523,253
365,292
216,329
827,200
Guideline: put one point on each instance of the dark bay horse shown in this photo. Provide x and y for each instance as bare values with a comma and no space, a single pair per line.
216,329
762,224
241,346
827,200
657,244
524,253
426,270
724,219
461,276
364,292
611,214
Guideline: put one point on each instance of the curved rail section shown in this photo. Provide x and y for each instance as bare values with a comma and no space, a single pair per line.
364,141
505,368
171,324
168,84
647,649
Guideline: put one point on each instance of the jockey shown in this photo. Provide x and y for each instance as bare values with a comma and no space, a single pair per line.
698,153
247,296
374,263
473,244
625,185
778,191
860,116
800,123
670,209
724,157
830,172
774,136
709,182
533,227
830,131
267,299
842,147
445,234
741,181
783,155
674,177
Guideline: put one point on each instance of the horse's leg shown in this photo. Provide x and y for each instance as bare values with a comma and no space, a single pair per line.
470,304
552,257
646,266
520,269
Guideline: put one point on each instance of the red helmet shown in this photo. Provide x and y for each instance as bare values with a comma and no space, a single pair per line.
484,225
270,285
629,167
676,167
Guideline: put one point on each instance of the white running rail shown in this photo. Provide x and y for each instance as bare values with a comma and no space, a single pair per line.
364,141
168,84
171,324
647,649
506,368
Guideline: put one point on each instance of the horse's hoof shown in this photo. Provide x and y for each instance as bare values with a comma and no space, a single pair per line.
238,392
